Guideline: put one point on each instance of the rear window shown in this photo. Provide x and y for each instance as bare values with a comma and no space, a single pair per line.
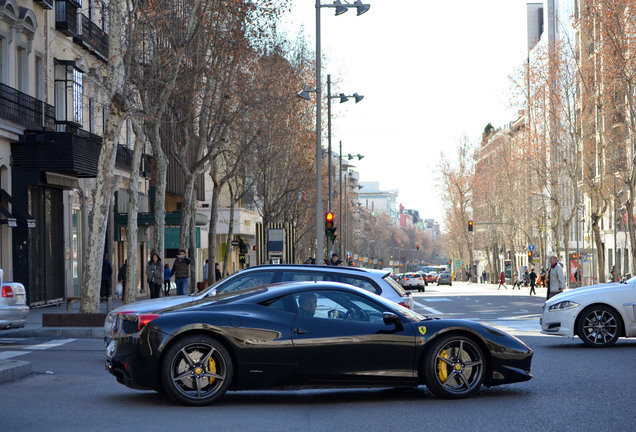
396,286
360,283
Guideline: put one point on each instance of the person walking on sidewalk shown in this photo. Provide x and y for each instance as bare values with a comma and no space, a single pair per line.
502,281
181,272
121,277
154,275
516,282
533,278
555,278
107,273
166,280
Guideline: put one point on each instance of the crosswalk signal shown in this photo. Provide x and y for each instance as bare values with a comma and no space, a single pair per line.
330,229
470,225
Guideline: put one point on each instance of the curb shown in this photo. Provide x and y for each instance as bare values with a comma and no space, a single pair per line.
11,370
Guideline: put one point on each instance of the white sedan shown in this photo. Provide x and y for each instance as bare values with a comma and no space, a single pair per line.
598,314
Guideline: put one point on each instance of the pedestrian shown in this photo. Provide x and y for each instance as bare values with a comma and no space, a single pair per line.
121,277
217,272
181,272
154,275
166,280
555,278
612,273
516,282
533,277
483,277
502,281
107,273
205,272
526,279
334,260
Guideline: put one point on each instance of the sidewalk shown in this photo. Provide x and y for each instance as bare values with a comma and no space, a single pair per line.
11,369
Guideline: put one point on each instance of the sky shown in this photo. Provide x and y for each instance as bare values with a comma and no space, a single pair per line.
431,72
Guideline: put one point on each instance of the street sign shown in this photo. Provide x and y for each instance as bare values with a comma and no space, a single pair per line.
531,247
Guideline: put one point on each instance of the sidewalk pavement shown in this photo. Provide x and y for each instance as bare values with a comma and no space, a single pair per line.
11,369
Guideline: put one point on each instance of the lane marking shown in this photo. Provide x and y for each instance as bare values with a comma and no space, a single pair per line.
428,309
50,344
436,299
11,340
10,354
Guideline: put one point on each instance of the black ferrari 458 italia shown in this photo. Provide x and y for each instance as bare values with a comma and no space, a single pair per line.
307,334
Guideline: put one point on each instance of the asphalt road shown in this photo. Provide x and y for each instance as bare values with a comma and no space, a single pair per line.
574,389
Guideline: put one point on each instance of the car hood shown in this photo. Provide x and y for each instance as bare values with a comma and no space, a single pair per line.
153,305
597,291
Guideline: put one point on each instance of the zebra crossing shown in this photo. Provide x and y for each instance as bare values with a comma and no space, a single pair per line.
26,349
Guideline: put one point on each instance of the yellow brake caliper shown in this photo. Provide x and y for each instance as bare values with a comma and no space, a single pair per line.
212,368
442,367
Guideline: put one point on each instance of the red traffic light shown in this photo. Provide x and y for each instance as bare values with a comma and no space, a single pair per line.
470,225
329,217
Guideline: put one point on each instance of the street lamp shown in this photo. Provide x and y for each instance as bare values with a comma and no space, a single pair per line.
343,99
340,9
343,238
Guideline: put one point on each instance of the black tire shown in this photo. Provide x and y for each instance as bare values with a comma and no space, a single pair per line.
599,326
196,370
454,367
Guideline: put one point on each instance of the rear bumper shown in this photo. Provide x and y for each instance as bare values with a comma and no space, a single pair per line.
13,316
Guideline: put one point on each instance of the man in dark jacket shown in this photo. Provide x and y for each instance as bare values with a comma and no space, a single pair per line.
181,272
107,273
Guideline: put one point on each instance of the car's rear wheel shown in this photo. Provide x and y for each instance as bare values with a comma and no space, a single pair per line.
599,326
454,367
196,370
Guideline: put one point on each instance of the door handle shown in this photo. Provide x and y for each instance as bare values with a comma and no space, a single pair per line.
300,331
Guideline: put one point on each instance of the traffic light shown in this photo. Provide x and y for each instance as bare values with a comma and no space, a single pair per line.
530,257
417,247
330,230
470,225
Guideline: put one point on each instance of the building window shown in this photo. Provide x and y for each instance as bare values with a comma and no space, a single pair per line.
39,78
69,83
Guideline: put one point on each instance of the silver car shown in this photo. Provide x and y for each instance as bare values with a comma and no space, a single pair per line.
13,305
375,281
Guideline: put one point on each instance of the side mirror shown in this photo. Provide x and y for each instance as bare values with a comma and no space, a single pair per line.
392,319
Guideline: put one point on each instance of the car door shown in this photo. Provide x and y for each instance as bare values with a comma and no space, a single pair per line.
347,341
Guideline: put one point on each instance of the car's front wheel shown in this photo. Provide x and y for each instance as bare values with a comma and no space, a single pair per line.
196,370
454,367
599,326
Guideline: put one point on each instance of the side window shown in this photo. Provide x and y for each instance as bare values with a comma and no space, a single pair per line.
248,280
299,276
360,283
337,305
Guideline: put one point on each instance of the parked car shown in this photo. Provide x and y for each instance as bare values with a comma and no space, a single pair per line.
13,304
376,281
302,334
414,280
444,278
597,314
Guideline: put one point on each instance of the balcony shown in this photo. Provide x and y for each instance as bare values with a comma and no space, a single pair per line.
66,17
46,4
125,158
24,110
91,37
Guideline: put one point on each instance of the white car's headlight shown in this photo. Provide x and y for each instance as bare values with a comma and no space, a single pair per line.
564,305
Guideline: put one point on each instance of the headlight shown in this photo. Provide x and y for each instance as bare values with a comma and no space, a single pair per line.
564,305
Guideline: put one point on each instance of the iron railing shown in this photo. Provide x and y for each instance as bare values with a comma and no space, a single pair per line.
24,110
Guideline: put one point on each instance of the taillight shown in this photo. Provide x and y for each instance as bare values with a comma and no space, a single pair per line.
144,319
405,305
7,291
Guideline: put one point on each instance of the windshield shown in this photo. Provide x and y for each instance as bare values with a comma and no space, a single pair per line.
396,286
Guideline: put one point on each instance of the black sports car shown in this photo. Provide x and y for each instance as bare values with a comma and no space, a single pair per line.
307,334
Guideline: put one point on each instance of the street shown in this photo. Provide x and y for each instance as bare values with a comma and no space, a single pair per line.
574,388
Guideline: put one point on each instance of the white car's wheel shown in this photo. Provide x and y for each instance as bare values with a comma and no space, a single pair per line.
599,326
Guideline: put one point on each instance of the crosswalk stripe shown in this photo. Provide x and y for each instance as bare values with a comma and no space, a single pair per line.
10,354
427,309
50,344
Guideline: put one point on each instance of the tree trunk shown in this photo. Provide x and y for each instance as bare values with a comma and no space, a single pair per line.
161,161
214,218
133,211
600,253
629,206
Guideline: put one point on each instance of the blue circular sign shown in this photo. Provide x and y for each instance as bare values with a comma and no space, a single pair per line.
531,247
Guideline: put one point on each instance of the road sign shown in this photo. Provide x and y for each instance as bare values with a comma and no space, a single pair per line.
531,247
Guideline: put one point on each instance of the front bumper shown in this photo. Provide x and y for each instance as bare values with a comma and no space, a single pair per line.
559,323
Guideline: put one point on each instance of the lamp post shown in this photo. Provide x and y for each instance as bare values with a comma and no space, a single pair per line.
340,9
343,238
343,99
